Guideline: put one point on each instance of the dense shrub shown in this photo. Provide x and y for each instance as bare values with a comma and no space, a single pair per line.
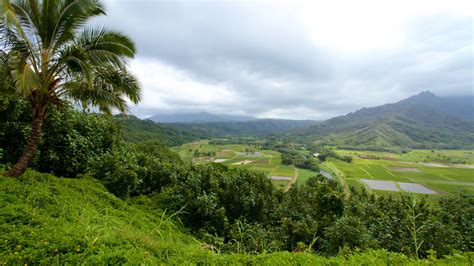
69,139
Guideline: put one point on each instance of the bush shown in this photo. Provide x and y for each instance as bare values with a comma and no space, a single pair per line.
69,138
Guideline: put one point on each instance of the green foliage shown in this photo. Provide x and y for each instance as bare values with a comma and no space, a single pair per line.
137,130
49,220
69,140
305,211
50,58
348,233
243,128
231,210
136,169
404,225
215,197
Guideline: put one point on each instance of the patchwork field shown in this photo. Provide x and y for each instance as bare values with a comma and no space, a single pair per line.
245,156
412,172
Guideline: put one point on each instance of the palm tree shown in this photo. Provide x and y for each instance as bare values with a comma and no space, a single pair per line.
52,58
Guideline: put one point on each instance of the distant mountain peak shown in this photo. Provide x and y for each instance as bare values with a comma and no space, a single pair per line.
426,93
420,121
423,98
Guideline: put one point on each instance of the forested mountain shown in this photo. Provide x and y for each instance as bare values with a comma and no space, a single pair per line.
238,128
420,121
137,130
459,106
202,117
177,133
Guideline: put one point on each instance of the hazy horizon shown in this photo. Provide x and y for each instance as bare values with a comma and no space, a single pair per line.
294,60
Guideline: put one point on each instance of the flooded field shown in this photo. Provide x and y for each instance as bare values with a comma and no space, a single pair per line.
416,188
281,178
381,185
398,186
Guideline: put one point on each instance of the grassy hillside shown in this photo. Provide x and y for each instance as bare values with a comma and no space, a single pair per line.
49,220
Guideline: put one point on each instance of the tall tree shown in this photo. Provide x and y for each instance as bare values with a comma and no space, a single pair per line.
51,56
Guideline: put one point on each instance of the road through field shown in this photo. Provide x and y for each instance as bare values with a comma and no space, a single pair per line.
292,181
340,175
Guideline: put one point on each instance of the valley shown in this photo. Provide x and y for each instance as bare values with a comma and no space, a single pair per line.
243,156
236,133
429,172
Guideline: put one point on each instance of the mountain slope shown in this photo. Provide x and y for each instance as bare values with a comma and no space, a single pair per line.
416,122
136,130
245,128
459,106
173,134
202,117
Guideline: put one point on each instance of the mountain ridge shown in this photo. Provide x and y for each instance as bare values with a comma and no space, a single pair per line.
420,121
199,117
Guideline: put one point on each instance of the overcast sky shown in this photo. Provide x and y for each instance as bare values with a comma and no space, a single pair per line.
294,59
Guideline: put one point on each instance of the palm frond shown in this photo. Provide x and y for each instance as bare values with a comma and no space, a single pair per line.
111,87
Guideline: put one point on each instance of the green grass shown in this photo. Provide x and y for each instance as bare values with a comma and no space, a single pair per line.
57,221
48,220
304,175
284,170
442,156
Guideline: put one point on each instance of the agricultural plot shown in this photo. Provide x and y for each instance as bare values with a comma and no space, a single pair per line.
386,173
246,157
453,157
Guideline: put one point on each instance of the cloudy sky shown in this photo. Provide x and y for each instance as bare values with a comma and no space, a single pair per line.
294,59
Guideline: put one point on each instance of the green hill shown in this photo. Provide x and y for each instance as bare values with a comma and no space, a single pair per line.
416,122
136,130
49,220
174,134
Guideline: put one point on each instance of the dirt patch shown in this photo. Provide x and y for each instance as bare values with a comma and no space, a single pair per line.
261,161
220,160
224,153
390,159
244,162
406,170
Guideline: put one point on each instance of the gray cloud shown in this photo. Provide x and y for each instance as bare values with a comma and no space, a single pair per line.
262,56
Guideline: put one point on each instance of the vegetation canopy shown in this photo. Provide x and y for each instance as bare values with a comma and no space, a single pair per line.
49,57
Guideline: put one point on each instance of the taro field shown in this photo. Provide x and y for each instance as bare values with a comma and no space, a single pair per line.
247,157
420,171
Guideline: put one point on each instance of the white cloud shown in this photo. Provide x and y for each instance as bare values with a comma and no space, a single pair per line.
167,88
295,59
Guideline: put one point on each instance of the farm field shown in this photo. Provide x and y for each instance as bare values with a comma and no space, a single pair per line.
247,157
427,156
386,173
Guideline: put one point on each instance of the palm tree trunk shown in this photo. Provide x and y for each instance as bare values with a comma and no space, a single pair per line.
20,167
